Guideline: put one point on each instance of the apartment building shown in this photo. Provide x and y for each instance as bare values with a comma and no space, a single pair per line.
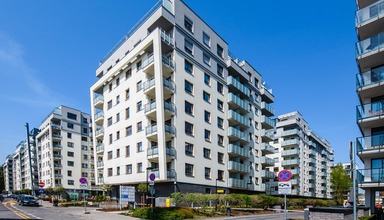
8,174
370,90
170,99
63,148
301,151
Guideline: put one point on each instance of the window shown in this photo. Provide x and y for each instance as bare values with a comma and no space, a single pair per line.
188,67
110,86
207,173
71,182
207,153
220,51
188,169
188,128
69,173
188,47
127,94
207,79
220,175
206,39
207,135
110,104
70,154
69,135
85,157
84,165
220,122
117,171
220,70
84,138
110,139
207,116
138,65
117,117
127,151
207,59
127,113
188,24
188,149
128,169
84,147
85,130
70,144
110,122
220,158
139,106
139,126
206,97
139,86
128,74
117,80
220,88
140,147
139,167
70,125
109,155
110,172
117,100
188,87
71,116
70,163
117,135
128,130
188,108
220,105
220,140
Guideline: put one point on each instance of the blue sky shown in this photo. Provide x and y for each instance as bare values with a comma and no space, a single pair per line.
305,51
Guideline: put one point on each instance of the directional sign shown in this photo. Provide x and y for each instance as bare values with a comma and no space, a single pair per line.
41,191
284,175
152,177
152,191
41,184
83,180
285,188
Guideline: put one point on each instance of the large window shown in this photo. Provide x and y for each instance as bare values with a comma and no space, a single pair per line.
188,24
188,47
206,39
207,97
188,67
207,153
207,172
71,116
188,108
188,128
377,170
220,51
188,149
188,169
207,135
207,79
188,87
207,116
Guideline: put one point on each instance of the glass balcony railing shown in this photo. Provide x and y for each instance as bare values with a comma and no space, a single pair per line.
290,162
238,85
291,132
100,148
168,61
169,84
374,76
267,174
375,175
290,152
371,44
151,129
99,98
167,38
149,84
170,129
268,133
370,110
267,147
56,126
99,132
375,142
155,151
147,61
238,167
271,122
268,107
267,161
237,183
238,101
238,150
237,117
100,164
237,133
99,115
169,106
373,11
290,142
312,160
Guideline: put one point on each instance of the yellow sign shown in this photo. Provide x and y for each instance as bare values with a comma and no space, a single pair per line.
167,202
220,191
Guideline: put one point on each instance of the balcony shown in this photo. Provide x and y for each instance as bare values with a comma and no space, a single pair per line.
294,181
267,161
312,169
290,143
57,156
56,137
266,94
147,64
292,162
238,86
370,52
291,132
295,171
168,65
171,174
238,151
267,135
100,148
311,185
371,114
237,135
98,102
267,123
292,152
99,133
267,174
100,164
235,118
150,109
267,148
237,183
369,19
312,160
238,167
165,37
311,177
99,118
149,87
154,152
151,131
267,109
58,176
55,126
100,180
370,145
56,147
235,102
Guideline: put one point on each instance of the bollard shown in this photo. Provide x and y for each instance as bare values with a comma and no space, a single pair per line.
306,214
228,210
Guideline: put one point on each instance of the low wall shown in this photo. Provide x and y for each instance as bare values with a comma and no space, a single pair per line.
336,213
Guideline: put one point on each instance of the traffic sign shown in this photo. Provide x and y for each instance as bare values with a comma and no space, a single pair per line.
285,188
152,177
284,175
41,184
41,191
83,186
152,191
83,180
151,183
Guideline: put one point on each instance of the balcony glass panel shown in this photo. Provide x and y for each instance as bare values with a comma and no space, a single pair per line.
237,133
267,147
270,121
290,142
268,107
372,11
371,44
237,85
238,167
290,162
98,98
238,150
236,116
238,101
167,61
268,133
370,110
147,61
169,84
99,115
290,152
267,161
149,84
375,142
371,77
237,183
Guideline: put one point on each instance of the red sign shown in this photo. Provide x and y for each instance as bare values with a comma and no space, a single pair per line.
284,175
41,184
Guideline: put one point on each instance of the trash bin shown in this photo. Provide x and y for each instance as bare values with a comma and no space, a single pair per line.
379,212
228,210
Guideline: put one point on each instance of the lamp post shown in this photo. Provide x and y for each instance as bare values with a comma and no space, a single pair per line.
216,185
30,159
146,188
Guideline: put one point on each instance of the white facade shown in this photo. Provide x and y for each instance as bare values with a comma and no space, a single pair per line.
170,98
308,157
63,148
8,174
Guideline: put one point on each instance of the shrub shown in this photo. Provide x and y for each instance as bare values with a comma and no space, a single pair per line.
163,213
371,217
267,201
67,204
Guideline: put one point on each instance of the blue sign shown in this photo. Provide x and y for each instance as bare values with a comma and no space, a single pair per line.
83,180
124,196
152,191
152,177
41,191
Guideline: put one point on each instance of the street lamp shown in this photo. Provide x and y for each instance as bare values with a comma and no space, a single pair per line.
146,188
216,184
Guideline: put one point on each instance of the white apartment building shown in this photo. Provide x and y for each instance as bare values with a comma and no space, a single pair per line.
170,99
8,174
370,90
301,151
63,148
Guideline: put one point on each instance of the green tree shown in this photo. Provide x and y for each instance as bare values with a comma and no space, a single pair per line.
106,188
340,183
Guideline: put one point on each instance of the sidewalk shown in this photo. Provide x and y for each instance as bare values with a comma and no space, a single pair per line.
93,214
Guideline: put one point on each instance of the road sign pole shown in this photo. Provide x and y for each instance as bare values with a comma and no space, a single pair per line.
285,206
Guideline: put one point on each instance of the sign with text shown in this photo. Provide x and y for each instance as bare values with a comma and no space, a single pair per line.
127,194
285,188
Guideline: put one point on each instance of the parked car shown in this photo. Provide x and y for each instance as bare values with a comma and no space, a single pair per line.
28,200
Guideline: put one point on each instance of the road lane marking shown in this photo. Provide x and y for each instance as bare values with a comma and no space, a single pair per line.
17,211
